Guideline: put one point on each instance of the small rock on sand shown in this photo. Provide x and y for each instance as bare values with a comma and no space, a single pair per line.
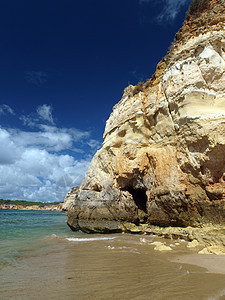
156,243
143,240
162,248
204,251
110,247
193,244
212,250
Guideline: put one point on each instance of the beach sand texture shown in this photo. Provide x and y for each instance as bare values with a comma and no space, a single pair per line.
113,267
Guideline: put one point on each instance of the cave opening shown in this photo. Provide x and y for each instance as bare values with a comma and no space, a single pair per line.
140,198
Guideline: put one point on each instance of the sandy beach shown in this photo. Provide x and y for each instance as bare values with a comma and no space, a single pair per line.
41,258
213,263
113,267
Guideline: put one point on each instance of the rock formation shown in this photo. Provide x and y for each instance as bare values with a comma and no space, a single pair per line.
55,207
163,157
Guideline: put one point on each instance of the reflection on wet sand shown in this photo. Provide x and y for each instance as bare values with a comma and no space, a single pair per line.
122,267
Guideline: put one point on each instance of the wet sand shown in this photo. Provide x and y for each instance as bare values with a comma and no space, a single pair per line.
122,267
213,263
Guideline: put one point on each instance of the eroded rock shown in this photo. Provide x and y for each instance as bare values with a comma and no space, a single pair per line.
163,157
193,244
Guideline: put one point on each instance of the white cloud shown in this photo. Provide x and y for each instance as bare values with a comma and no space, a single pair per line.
45,113
170,8
94,144
75,133
9,151
43,140
33,173
38,165
77,150
6,109
28,120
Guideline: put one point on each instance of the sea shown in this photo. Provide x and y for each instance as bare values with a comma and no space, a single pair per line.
41,258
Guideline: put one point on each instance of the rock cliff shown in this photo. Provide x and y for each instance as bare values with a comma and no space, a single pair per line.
55,207
163,157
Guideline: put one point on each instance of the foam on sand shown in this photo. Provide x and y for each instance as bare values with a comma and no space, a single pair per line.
89,239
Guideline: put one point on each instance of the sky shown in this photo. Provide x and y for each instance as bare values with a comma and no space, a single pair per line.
64,65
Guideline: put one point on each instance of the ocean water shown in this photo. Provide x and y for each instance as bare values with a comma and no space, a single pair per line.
22,231
41,258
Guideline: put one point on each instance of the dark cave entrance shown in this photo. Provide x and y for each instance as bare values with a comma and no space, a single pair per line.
140,198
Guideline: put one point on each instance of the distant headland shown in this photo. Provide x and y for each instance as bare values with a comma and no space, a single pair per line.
29,205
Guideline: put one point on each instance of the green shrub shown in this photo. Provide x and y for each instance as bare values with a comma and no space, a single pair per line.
26,203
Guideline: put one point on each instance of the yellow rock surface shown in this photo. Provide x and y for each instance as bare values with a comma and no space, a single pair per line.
163,157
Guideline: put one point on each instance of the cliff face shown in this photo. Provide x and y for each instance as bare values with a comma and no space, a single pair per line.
55,207
163,157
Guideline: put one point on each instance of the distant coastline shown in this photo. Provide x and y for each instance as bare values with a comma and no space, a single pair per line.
26,205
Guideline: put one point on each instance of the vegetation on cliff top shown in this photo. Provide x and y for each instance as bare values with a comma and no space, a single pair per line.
26,203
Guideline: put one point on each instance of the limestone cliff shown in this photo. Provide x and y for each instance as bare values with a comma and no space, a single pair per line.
163,157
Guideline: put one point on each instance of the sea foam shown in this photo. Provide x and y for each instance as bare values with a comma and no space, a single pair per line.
89,239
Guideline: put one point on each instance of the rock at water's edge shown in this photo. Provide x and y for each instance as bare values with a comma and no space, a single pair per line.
163,157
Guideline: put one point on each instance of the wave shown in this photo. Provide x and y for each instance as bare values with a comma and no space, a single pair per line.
89,239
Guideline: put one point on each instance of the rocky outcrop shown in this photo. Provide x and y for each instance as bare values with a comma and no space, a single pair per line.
163,157
69,199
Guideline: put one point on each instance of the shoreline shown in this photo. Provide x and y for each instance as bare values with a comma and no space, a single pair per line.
120,268
209,239
213,263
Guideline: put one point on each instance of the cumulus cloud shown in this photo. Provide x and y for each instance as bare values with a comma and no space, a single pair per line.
38,164
41,176
75,133
170,8
45,113
9,151
50,138
6,109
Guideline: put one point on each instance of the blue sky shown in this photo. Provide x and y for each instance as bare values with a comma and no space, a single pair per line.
64,65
